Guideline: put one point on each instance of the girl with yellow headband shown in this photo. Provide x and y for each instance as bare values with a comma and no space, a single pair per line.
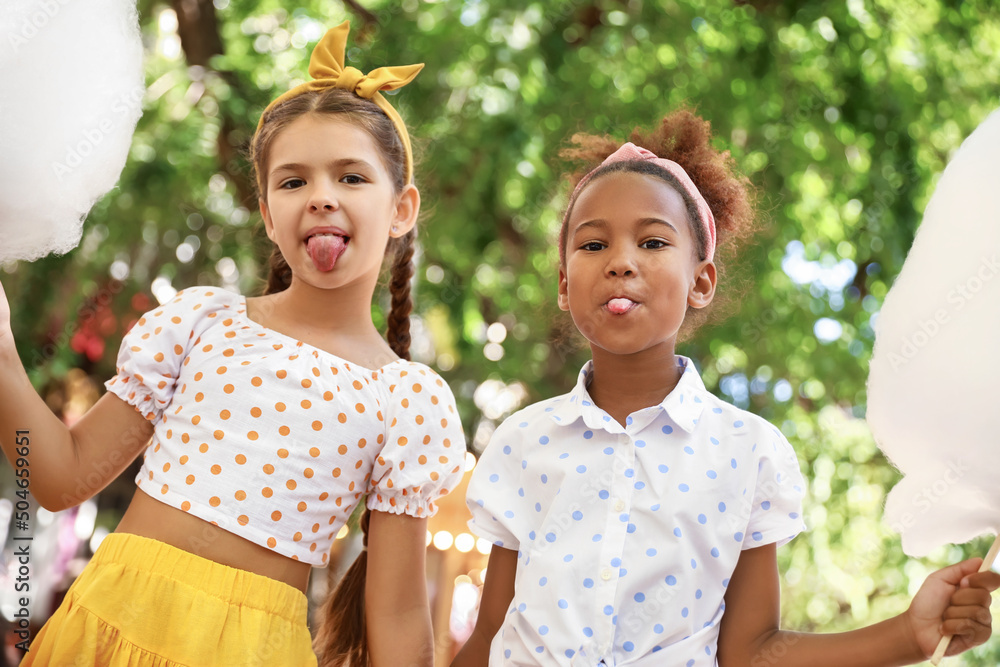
264,421
635,520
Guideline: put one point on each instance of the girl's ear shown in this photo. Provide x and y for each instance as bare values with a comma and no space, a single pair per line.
407,210
266,214
563,290
702,289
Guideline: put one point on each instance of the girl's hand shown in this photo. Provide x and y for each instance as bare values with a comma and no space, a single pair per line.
953,601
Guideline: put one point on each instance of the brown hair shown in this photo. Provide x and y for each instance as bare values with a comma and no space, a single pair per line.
685,138
341,638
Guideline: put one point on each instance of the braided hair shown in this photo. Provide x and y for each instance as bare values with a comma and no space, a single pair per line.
341,638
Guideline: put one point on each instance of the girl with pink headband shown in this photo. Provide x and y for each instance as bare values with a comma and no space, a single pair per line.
635,520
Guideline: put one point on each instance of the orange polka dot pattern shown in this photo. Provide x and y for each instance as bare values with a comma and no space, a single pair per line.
276,440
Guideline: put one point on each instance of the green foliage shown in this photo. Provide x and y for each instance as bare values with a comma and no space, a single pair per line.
842,114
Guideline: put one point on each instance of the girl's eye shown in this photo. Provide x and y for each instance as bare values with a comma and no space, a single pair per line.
592,246
352,179
291,183
653,244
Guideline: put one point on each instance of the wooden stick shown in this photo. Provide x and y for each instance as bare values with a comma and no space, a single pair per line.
987,564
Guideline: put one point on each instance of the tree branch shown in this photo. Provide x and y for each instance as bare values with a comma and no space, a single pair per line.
367,16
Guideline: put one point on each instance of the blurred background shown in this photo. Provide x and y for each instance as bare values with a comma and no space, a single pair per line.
842,114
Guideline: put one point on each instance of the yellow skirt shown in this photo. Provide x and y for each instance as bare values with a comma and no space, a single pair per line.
140,602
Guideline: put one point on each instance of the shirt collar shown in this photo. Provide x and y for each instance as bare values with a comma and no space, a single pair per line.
683,405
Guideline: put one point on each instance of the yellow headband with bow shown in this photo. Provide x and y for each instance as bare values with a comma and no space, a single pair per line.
326,67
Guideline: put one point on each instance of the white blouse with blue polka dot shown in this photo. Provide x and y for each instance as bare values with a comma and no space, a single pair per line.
627,536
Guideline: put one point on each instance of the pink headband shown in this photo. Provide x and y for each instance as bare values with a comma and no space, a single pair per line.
629,152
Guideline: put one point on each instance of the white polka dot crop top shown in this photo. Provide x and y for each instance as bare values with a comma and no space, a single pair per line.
273,439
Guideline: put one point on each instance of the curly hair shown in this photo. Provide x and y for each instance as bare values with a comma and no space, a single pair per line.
685,138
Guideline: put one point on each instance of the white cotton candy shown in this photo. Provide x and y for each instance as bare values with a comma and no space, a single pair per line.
71,87
934,383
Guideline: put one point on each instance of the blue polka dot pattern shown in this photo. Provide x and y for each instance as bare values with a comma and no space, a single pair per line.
629,523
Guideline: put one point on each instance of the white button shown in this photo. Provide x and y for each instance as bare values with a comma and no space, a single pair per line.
619,505
605,574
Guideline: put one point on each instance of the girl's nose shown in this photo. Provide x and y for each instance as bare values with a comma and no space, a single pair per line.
621,264
322,199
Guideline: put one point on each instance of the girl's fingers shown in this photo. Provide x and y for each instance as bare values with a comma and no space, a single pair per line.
970,596
988,581
965,634
976,613
953,574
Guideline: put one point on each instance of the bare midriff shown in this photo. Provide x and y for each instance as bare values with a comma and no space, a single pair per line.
150,518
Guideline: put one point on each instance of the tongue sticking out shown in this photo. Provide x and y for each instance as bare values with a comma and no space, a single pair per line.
325,250
620,306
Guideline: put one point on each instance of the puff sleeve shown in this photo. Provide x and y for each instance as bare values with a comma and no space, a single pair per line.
776,514
499,513
153,350
423,455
